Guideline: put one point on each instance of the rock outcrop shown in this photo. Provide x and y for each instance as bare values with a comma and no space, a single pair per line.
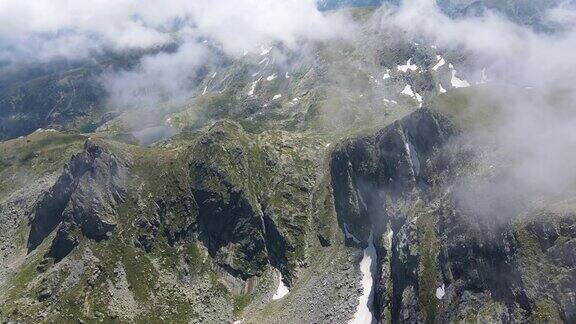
85,197
392,163
438,260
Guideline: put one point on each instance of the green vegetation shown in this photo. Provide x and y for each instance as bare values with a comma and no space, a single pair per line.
428,268
469,108
240,302
89,127
545,312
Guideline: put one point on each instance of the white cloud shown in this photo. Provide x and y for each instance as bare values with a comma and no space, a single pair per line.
532,77
158,78
237,24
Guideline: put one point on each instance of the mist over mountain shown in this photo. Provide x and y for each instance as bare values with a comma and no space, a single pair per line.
294,161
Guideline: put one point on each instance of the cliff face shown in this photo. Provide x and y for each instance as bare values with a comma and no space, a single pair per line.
216,221
438,260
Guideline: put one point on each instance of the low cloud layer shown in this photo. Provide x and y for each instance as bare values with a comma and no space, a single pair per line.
40,31
48,29
532,77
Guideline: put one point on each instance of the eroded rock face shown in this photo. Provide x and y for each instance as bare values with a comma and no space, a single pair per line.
252,194
393,162
438,260
85,197
227,172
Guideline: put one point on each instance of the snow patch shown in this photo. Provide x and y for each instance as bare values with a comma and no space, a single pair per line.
265,50
442,90
253,87
413,156
456,82
205,90
271,77
47,130
389,236
368,269
278,96
282,289
408,66
418,98
287,75
409,92
440,63
440,292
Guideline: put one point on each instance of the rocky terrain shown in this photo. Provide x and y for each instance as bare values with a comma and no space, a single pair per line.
262,196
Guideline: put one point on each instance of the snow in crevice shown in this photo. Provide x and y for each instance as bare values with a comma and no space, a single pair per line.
409,92
408,66
287,75
456,82
418,98
440,292
440,63
282,289
265,50
205,90
441,88
368,268
253,87
386,75
413,156
349,235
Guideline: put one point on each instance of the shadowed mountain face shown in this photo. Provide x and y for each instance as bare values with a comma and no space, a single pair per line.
282,185
436,258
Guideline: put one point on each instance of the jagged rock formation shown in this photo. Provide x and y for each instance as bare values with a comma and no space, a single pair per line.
85,197
393,162
238,216
207,225
438,261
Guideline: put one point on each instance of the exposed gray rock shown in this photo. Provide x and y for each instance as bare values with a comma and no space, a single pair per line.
86,196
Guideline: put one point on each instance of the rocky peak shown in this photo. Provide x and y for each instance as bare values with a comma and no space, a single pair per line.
85,197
